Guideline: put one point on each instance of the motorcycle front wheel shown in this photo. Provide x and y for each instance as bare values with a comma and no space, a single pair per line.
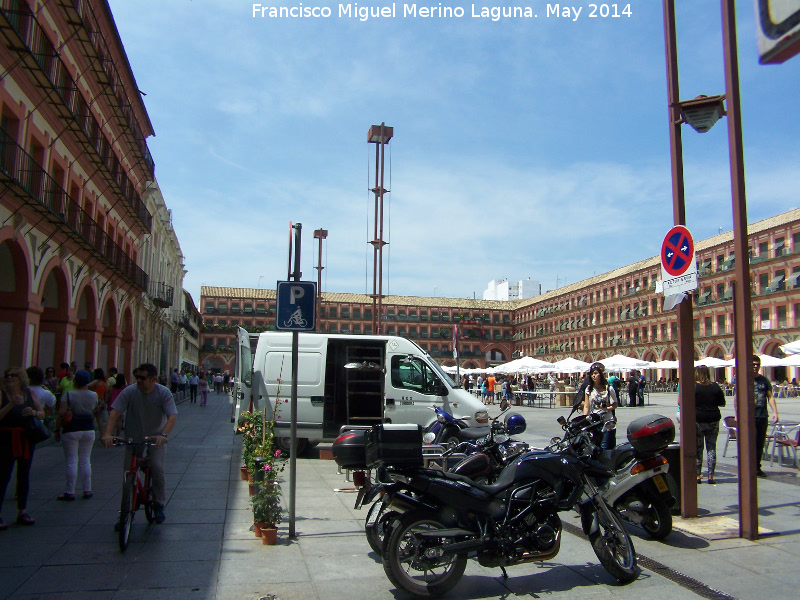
613,546
406,564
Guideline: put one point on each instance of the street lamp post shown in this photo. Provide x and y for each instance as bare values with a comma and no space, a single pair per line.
701,113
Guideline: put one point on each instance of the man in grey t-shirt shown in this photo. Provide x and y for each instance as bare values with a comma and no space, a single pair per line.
150,411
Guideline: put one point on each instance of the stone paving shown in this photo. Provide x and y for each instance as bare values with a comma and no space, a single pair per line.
206,550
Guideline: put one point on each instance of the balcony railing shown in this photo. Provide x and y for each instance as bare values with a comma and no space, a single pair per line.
43,194
161,294
90,37
55,78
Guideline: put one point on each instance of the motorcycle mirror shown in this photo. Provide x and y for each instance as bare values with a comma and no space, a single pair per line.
561,420
428,438
610,426
555,440
503,405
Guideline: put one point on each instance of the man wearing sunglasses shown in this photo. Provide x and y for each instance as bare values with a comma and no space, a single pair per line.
149,410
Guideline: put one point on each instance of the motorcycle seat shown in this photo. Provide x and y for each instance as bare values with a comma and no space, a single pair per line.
618,457
506,479
473,433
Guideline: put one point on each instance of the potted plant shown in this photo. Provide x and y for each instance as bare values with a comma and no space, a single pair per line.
267,510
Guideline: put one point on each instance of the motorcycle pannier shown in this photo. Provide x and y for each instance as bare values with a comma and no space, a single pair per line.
396,445
349,449
651,434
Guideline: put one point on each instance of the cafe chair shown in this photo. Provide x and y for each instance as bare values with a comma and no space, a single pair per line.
733,430
789,440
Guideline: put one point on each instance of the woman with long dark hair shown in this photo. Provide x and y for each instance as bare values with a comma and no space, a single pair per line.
601,396
708,397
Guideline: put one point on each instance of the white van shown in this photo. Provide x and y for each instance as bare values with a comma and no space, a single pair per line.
346,380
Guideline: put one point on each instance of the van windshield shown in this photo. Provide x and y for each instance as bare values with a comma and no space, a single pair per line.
445,377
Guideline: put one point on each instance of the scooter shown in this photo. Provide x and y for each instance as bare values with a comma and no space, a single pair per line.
449,431
638,488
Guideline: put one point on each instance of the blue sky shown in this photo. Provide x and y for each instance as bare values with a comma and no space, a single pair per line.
523,148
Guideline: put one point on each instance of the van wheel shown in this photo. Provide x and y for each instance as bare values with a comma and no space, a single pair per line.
284,442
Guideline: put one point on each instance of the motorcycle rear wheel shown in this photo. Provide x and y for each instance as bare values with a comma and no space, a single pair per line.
657,521
413,573
613,546
378,525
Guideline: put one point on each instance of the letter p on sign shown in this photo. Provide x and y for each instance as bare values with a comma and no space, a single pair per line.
295,293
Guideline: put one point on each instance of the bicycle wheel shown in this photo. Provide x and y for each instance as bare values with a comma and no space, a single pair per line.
149,511
126,510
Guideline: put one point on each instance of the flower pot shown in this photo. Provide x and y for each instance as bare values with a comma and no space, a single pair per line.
258,527
245,473
269,536
252,488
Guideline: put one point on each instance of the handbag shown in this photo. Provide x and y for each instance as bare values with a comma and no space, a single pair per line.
67,416
37,432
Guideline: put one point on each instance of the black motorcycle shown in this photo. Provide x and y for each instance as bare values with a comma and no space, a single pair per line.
446,518
484,461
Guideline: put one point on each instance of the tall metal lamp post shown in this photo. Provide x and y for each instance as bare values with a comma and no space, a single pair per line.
701,113
380,136
320,234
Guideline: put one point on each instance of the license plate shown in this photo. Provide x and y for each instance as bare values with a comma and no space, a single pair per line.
661,485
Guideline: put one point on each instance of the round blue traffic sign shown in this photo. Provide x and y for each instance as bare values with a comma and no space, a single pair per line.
677,251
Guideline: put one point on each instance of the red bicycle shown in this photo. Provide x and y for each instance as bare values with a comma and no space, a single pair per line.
135,491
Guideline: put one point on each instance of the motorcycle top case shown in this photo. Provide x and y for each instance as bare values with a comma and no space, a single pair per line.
349,449
651,434
396,445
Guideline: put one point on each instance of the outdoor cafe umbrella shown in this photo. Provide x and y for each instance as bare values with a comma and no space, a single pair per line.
570,365
620,362
791,347
712,362
526,364
664,364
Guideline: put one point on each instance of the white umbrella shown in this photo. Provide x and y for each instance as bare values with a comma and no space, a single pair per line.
571,365
712,362
526,364
664,364
770,361
620,362
766,361
791,347
791,361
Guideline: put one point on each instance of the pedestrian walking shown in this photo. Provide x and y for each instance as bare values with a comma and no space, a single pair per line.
202,389
194,381
77,435
708,397
17,409
600,395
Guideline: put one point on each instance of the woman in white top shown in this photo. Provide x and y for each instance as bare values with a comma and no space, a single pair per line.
601,396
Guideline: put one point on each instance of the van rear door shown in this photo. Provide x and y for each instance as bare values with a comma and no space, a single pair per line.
242,398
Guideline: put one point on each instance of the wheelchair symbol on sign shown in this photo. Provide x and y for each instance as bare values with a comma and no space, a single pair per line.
296,318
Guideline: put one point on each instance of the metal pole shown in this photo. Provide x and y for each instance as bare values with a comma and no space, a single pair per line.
375,316
293,440
685,324
743,331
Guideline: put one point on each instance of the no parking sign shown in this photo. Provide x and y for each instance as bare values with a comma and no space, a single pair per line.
678,266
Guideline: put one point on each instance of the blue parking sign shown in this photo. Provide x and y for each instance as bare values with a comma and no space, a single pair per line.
297,306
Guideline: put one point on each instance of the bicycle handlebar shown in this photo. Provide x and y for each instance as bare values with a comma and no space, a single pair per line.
148,441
